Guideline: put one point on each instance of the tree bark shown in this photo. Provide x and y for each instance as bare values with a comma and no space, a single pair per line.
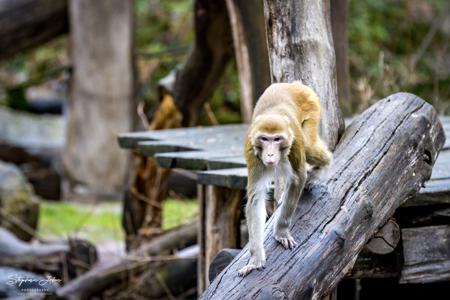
301,48
339,12
388,150
101,94
250,48
199,76
25,24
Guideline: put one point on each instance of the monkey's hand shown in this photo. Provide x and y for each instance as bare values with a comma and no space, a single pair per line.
253,264
285,238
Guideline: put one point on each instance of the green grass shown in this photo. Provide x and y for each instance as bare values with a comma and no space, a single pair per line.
102,222
176,212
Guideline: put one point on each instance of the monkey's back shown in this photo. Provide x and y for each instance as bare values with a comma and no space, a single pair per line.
289,99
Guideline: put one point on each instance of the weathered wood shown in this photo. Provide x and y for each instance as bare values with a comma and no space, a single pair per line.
426,254
25,24
101,94
235,178
222,222
388,150
101,278
250,48
70,258
301,48
386,239
195,160
367,265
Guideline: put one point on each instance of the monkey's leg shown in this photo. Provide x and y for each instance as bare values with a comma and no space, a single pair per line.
294,189
255,212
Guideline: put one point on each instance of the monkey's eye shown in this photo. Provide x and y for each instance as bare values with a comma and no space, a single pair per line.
277,139
264,139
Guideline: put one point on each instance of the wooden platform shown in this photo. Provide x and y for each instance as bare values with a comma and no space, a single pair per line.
217,154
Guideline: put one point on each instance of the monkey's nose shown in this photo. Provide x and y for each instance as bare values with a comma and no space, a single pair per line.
270,154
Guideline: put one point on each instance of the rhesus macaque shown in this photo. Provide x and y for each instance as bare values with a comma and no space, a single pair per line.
281,140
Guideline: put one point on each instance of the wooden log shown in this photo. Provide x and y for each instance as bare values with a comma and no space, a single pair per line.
25,24
388,150
250,48
426,254
99,279
386,239
301,48
101,96
63,259
368,265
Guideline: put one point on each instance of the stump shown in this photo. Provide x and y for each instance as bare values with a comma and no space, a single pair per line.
381,161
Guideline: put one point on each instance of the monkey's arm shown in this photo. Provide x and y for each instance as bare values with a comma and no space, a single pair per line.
255,212
295,171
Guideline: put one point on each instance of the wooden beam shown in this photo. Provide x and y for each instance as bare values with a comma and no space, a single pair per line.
426,254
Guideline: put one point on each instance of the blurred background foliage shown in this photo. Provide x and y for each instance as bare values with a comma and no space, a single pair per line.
394,45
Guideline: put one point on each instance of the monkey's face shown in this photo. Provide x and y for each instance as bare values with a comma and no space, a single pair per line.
270,148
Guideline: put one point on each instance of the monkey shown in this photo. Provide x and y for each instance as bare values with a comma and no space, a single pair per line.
281,141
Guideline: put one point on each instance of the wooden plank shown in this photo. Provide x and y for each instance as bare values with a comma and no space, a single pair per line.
434,192
441,169
426,254
221,141
130,140
226,162
231,178
194,160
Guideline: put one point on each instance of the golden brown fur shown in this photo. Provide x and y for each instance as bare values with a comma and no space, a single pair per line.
289,112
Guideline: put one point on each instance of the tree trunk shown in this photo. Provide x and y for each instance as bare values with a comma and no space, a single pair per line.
199,76
339,12
25,24
183,93
250,48
301,48
388,150
101,94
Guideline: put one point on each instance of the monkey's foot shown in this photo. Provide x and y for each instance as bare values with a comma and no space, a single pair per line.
286,240
250,267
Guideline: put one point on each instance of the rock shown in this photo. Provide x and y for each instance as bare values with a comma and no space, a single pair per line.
19,206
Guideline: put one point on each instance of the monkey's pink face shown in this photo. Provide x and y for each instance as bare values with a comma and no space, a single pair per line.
270,148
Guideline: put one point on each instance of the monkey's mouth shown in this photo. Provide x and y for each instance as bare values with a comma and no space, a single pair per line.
269,163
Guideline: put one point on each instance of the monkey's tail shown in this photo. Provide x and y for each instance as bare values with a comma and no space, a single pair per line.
318,155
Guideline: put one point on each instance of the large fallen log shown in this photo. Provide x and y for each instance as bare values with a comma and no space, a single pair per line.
28,23
101,278
66,259
381,161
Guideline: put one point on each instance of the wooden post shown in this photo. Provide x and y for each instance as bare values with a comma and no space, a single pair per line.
101,94
221,208
389,150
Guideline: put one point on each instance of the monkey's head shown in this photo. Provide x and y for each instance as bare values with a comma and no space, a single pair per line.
271,138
